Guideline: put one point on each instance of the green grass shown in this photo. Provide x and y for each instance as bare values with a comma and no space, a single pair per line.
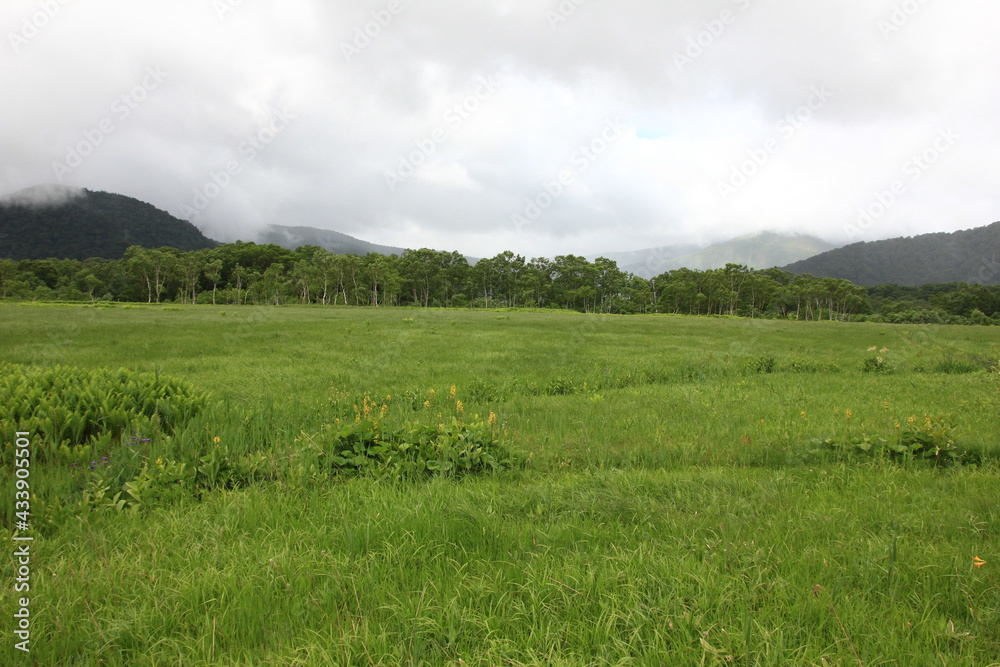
672,508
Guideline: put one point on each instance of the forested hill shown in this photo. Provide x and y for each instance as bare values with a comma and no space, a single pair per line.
51,222
969,256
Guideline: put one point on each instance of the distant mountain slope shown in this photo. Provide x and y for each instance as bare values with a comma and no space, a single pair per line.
341,244
965,256
58,222
757,251
650,261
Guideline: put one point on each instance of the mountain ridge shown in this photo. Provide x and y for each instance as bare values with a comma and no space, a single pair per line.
50,221
339,243
969,256
761,250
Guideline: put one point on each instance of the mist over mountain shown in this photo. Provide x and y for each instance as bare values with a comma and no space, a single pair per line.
756,251
341,244
42,196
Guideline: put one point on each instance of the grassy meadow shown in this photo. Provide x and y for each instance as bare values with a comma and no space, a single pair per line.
686,491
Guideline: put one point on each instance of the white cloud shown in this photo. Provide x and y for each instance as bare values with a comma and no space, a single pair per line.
892,90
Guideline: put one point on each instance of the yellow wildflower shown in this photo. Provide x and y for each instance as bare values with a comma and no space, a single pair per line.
216,439
849,414
459,407
493,419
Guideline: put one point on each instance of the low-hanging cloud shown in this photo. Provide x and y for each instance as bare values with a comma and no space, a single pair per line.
43,196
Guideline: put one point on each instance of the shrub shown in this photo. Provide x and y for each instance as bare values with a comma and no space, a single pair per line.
954,366
163,443
413,450
929,441
70,408
485,391
878,365
162,482
560,387
765,364
866,446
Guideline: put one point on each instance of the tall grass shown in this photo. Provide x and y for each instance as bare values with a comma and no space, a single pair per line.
673,507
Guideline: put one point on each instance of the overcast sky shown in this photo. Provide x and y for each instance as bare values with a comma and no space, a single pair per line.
547,128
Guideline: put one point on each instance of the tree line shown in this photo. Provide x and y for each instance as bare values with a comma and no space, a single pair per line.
250,274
